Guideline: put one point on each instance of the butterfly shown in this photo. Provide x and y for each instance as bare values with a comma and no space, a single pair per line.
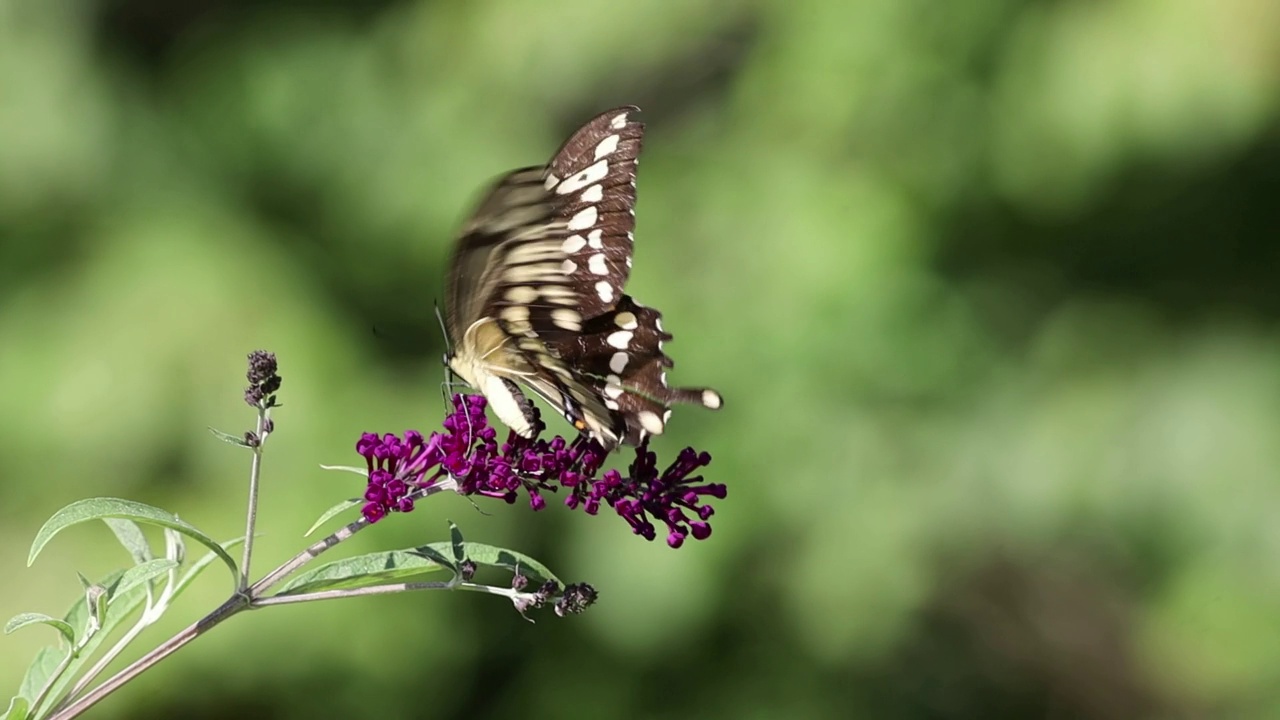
536,295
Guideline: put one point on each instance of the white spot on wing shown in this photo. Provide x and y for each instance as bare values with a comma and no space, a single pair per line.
585,218
650,421
593,194
568,267
541,272
567,319
626,320
711,399
593,239
573,244
607,146
533,252
611,404
619,339
560,294
551,181
522,294
597,265
515,313
618,122
605,291
618,361
593,174
613,387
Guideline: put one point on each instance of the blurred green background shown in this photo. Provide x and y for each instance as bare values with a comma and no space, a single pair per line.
989,287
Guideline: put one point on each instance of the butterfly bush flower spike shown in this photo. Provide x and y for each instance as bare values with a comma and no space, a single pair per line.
467,450
264,380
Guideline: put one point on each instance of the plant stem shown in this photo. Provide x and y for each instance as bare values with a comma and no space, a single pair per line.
143,623
306,556
309,554
353,592
233,605
388,589
255,471
248,598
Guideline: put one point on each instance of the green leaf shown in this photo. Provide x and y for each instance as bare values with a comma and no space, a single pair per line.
324,517
347,468
130,536
97,598
46,662
229,438
22,620
199,566
175,548
363,570
142,574
459,546
434,554
18,709
501,558
123,603
101,508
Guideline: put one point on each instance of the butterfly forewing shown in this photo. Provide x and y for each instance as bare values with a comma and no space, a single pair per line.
516,212
593,178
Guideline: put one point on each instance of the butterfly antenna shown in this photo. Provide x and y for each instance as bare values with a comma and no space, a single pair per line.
444,332
447,386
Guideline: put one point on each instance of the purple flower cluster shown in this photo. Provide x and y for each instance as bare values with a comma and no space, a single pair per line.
396,469
264,379
468,451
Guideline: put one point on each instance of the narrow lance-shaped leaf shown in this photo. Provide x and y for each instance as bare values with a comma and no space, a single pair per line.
347,468
229,438
97,599
361,571
18,709
131,537
435,554
496,557
457,543
324,517
175,548
22,620
48,658
102,508
41,669
142,574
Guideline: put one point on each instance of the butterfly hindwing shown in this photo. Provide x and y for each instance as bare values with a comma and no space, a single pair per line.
619,355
